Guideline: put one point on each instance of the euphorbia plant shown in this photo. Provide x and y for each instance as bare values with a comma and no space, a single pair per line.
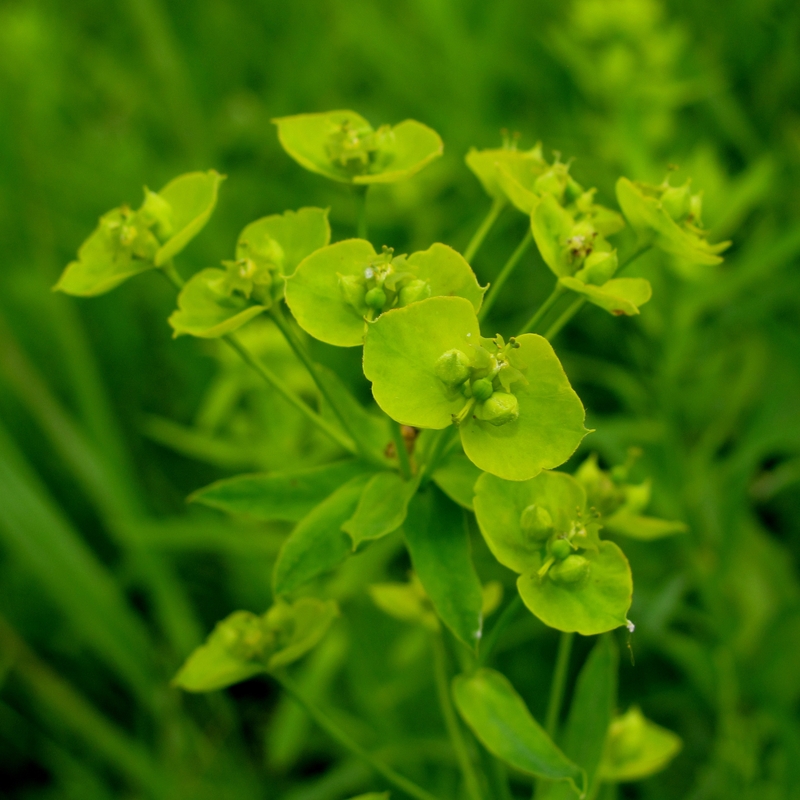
468,422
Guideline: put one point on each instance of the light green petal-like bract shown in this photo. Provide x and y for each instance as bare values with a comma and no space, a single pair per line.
618,296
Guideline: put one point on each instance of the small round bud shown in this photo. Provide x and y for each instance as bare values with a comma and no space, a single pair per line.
413,291
676,201
452,368
482,389
569,571
599,267
536,522
560,548
375,298
500,409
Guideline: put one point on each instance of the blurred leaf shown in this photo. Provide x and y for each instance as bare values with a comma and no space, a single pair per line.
456,477
381,508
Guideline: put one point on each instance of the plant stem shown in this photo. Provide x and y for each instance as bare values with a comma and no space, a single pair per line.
558,290
273,380
300,351
508,268
361,210
172,275
400,447
336,733
437,450
641,247
559,681
509,612
498,204
450,720
571,311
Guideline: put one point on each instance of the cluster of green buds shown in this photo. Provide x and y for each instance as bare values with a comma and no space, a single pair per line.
678,201
385,282
257,274
484,378
358,148
606,489
562,561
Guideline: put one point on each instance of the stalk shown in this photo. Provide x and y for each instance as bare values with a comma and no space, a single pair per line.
498,204
361,210
508,268
559,681
538,316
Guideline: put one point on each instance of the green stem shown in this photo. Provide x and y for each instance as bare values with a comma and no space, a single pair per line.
490,642
498,204
508,268
273,380
172,275
400,447
437,450
450,720
543,309
641,247
300,351
337,734
559,681
361,210
571,311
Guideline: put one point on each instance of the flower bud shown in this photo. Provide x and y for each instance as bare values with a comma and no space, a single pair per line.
375,298
482,389
156,211
452,368
413,291
536,522
554,182
353,291
560,548
676,201
500,409
569,571
599,267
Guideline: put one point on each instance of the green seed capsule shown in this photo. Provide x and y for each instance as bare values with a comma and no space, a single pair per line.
500,409
482,389
569,571
560,548
414,291
676,201
536,522
375,298
452,368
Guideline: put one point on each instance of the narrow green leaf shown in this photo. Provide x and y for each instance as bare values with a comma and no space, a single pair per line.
318,544
285,496
646,529
456,477
500,719
381,509
590,715
437,539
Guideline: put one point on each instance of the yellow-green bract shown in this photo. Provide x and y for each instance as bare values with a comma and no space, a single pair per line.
343,146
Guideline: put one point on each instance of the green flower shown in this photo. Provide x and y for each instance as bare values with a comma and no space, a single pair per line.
343,146
430,367
669,216
218,301
128,242
543,530
336,288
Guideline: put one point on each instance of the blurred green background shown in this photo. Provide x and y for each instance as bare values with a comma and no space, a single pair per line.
108,579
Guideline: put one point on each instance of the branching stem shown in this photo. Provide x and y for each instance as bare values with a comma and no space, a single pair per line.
538,316
508,268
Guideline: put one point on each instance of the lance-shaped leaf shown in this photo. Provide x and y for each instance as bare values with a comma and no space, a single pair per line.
500,719
318,543
487,165
650,219
191,198
381,509
401,352
456,477
209,308
590,715
438,542
617,296
244,644
318,294
406,602
596,603
285,496
342,146
638,526
637,748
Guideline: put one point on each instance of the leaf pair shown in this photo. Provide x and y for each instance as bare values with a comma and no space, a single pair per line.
343,146
328,293
127,242
244,644
542,529
401,352
215,301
